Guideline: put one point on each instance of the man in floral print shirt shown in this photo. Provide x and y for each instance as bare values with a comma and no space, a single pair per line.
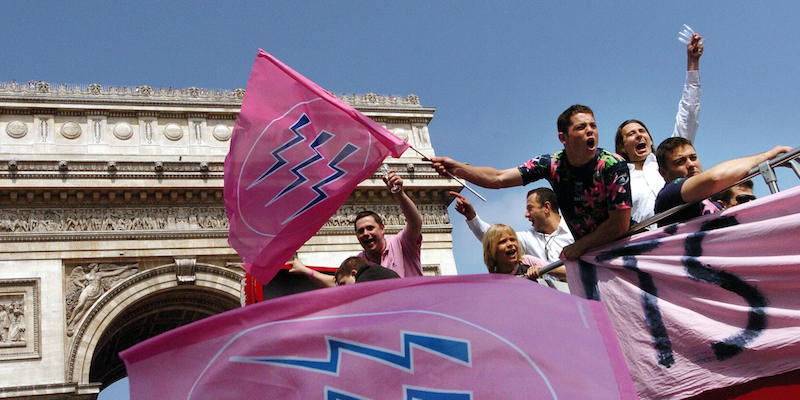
592,184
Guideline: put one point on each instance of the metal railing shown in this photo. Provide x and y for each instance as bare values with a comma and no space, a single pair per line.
766,169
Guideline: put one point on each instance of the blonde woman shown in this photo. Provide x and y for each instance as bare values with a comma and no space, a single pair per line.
503,255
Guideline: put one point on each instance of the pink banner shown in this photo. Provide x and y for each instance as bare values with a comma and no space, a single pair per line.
296,154
709,303
427,338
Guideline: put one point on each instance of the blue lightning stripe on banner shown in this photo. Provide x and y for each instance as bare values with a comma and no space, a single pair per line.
346,151
455,350
411,393
338,394
280,161
321,139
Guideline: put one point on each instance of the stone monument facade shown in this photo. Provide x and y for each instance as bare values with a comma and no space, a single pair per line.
113,225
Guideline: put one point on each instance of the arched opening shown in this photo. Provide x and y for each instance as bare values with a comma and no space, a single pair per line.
157,313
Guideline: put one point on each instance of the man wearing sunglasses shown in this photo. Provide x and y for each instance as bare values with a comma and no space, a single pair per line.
741,193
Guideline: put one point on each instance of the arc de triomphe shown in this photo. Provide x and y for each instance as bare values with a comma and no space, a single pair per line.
113,226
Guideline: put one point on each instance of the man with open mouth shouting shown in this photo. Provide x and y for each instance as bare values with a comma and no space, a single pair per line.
592,184
634,143
400,253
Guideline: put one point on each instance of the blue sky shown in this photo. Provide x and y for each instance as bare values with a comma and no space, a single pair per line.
498,73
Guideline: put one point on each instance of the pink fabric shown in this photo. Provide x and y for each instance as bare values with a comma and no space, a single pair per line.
296,154
530,261
401,255
722,293
387,338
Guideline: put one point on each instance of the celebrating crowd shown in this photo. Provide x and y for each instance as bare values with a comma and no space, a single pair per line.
596,196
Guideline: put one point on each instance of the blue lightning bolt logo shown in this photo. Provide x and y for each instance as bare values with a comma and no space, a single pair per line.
455,350
346,151
280,161
321,138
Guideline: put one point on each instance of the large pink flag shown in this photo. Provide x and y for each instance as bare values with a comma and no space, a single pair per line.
296,154
706,304
426,338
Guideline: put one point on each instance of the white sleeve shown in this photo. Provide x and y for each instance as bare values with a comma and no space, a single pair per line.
529,245
687,119
478,227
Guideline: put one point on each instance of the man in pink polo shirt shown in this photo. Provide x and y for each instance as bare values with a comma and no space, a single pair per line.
400,253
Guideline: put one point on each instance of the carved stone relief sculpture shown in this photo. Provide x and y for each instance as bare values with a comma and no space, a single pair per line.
43,127
173,132
133,219
123,131
198,131
419,135
16,129
112,219
221,133
71,130
12,322
144,90
97,134
19,319
87,283
148,131
95,88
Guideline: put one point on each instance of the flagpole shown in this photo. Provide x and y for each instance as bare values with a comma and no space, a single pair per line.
451,176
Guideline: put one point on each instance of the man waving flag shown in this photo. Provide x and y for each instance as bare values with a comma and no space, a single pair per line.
296,154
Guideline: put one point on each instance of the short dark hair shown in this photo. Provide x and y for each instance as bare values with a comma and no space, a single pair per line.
726,195
545,194
666,147
618,139
563,121
367,213
348,265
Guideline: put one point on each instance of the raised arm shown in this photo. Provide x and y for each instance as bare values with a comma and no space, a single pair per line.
724,174
410,211
687,118
474,222
487,177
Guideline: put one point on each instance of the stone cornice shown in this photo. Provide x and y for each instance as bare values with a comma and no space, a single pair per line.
102,236
43,92
110,94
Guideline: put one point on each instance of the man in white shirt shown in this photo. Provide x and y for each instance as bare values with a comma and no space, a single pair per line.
549,233
634,142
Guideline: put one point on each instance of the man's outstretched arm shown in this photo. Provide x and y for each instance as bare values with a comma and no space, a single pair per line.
487,177
724,174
